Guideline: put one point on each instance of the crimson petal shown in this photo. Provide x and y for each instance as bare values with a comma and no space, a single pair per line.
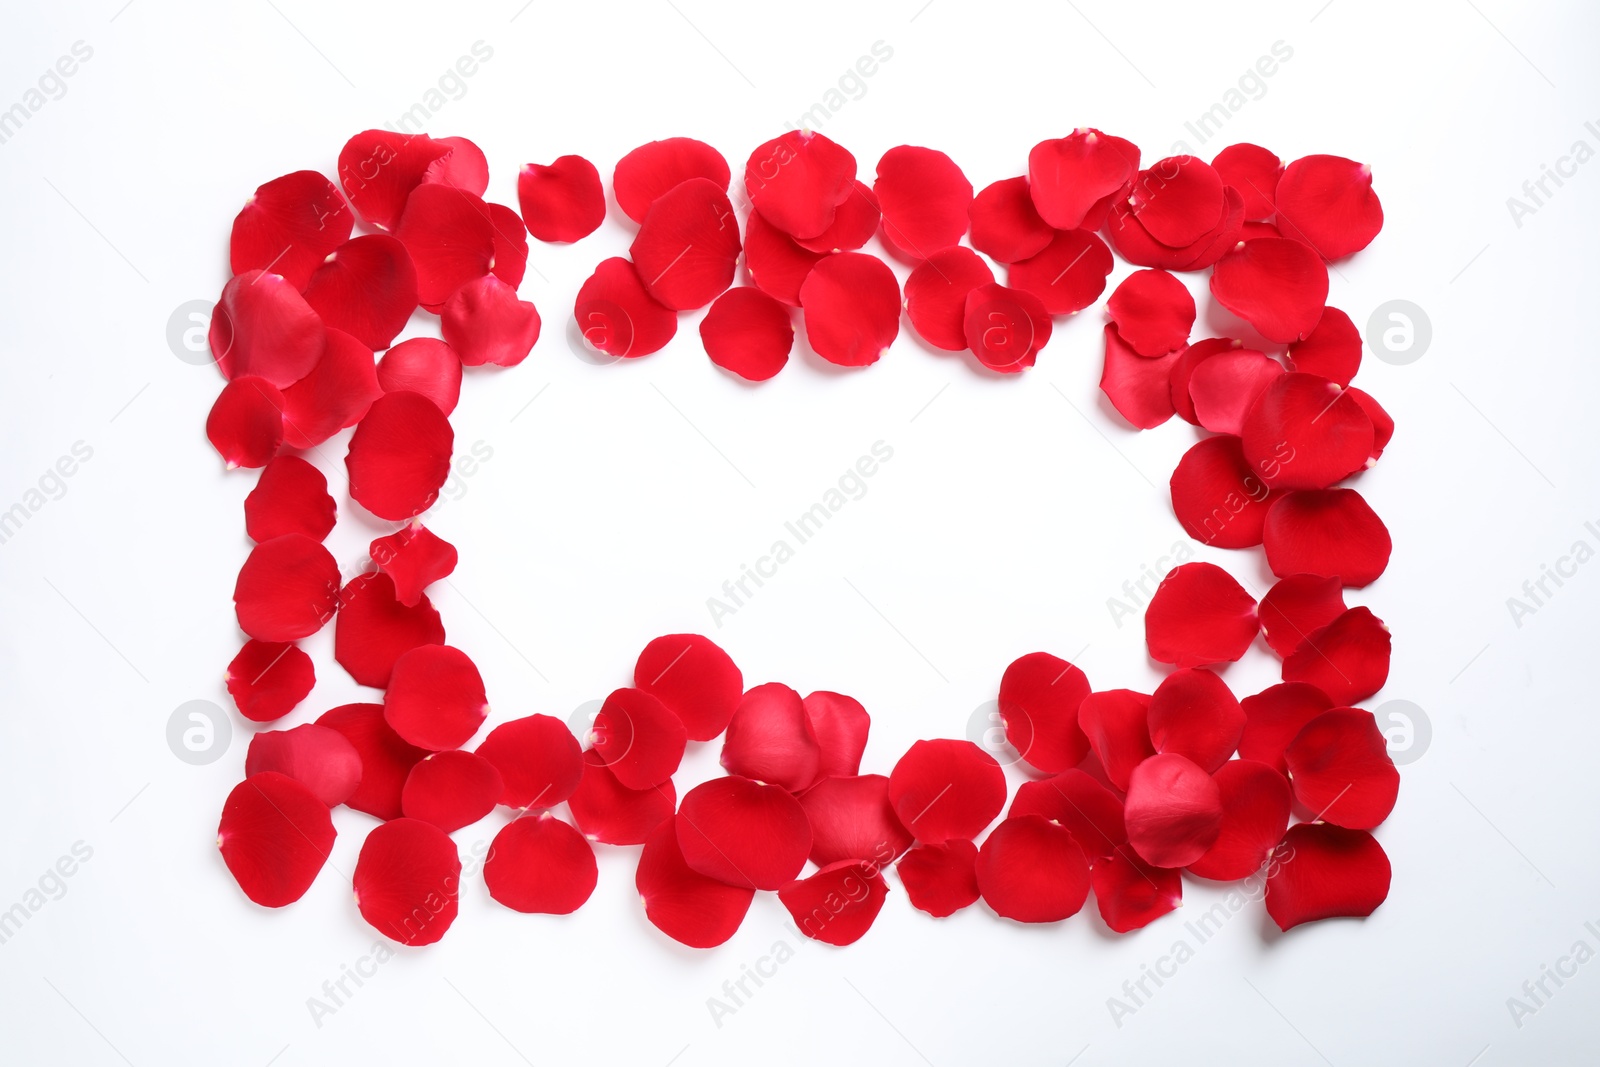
485,322
1173,811
1089,811
386,759
616,316
638,738
1331,351
1199,615
435,698
749,333
291,496
1277,285
399,456
1039,699
685,905
1130,893
451,790
1116,722
854,223
287,589
851,819
1006,328
1154,312
940,879
1340,768
1254,171
696,680
1304,432
1326,872
797,181
688,245
1193,713
1031,870
609,812
539,761
1138,387
936,295
1217,498
366,287
1222,389
540,865
1255,813
1068,274
408,881
450,238
924,198
423,365
1348,659
777,265
373,628
654,168
337,393
1296,606
837,904
379,169
1177,200
944,790
274,836
563,201
414,558
288,225
268,679
319,758
770,739
1070,176
852,309
1005,224
1274,716
743,833
1328,202
841,725
1329,532
245,424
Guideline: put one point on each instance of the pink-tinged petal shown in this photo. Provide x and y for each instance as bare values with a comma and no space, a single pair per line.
1255,813
1329,532
852,309
743,833
1116,722
1199,615
563,201
408,881
838,904
940,879
944,790
694,678
1039,699
321,759
539,761
770,739
1130,893
685,905
1326,872
275,836
366,287
373,628
1173,811
1032,871
540,865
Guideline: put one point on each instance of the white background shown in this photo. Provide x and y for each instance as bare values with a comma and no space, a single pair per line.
619,498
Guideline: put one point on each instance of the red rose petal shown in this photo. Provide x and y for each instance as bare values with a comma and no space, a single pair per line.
1039,699
288,225
274,836
852,309
616,316
694,678
777,265
463,166
652,169
940,879
540,865
373,628
1005,224
366,287
1382,422
1194,714
749,333
399,456
539,761
262,326
1130,893
1068,274
936,295
743,833
1069,177
1177,200
1277,285
485,322
450,238
854,223
1340,768
1331,351
435,698
1254,171
1154,312
1326,872
1329,532
797,181
510,245
944,790
386,759
245,424
1184,369
291,496
321,759
1328,202
1348,659
408,881
1137,387
841,725
268,679
1255,813
451,790
770,739
424,365
413,558
379,169
1274,716
1296,606
287,589
1304,432
638,738
1116,722
337,393
1089,811
852,819
1005,328
1134,243
1199,615
685,905
1218,500
609,812
924,198
1223,388
1173,811
563,201
837,904
1031,870
688,245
